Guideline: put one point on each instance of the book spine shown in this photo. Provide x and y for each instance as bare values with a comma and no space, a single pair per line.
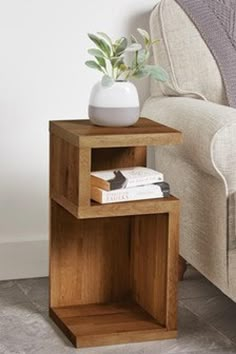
130,194
127,196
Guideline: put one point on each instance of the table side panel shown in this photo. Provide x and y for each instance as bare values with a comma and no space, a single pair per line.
172,269
84,177
64,170
149,264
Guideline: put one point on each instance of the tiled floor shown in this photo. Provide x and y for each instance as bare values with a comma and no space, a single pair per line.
207,322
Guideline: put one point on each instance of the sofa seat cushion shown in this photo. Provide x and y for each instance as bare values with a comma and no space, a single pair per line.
183,53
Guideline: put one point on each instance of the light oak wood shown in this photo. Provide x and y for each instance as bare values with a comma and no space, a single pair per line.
139,207
149,263
113,267
82,133
109,158
89,260
172,269
84,177
103,324
64,170
71,163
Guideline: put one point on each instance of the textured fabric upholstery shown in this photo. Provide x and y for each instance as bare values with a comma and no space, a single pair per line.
232,221
214,20
201,171
231,292
202,174
209,134
183,53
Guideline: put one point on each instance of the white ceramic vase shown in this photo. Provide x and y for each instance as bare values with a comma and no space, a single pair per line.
114,106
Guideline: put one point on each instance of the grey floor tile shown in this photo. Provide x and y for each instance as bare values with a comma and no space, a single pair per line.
37,291
23,330
219,311
137,348
20,309
195,336
195,285
220,351
10,294
226,324
210,309
7,284
28,334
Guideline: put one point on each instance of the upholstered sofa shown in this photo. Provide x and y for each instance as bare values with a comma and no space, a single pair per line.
202,171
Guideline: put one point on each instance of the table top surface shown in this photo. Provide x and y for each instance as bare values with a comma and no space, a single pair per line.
84,134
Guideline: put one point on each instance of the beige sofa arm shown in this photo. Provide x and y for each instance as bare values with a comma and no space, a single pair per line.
209,132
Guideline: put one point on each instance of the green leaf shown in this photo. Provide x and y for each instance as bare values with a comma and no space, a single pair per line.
107,81
120,46
92,64
133,47
156,72
101,62
105,36
96,52
113,60
143,56
145,35
116,61
140,74
100,43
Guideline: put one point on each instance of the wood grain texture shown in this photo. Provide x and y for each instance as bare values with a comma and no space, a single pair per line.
64,170
172,269
89,261
103,324
139,207
71,163
84,177
113,268
82,133
149,264
109,158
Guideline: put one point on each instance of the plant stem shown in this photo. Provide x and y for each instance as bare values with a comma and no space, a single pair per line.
136,58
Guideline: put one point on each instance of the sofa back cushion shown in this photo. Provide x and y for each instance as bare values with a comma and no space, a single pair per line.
192,68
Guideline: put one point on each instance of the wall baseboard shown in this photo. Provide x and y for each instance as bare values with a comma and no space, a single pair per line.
27,259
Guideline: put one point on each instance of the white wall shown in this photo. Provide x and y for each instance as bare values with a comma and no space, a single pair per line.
42,76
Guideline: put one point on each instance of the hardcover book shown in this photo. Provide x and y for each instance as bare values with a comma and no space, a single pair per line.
125,178
150,191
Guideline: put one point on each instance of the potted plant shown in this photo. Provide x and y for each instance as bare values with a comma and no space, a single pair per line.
114,100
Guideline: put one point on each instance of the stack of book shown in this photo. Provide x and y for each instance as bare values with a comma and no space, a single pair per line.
127,184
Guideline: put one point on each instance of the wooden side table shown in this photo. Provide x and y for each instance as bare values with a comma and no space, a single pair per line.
113,267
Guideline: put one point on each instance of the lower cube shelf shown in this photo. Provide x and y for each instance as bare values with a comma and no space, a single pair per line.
125,266
104,324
